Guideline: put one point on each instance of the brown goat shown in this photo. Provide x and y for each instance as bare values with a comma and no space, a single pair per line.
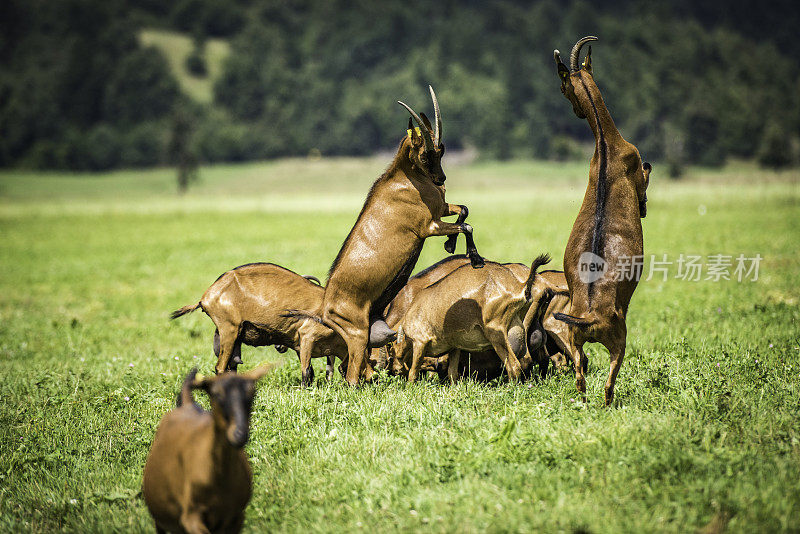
246,305
608,229
472,311
483,365
197,477
403,208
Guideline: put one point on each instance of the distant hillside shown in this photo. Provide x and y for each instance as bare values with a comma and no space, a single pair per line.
94,85
176,48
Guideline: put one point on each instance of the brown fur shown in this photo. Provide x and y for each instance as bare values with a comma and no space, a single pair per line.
403,208
197,477
608,224
472,311
247,305
486,365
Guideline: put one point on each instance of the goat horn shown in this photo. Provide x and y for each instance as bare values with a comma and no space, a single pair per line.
557,56
576,51
438,135
426,135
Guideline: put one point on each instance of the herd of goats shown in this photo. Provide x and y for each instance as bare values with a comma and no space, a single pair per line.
461,317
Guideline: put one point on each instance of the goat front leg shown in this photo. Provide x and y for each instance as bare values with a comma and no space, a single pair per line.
306,369
449,229
192,522
463,213
419,350
452,365
502,347
331,360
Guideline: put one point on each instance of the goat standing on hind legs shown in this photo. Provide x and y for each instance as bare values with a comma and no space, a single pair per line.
404,207
608,229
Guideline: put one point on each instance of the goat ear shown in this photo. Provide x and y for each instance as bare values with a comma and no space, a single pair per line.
563,73
259,372
426,121
416,138
587,62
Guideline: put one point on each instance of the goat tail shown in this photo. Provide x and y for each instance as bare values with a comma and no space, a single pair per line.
580,322
544,303
185,397
541,259
183,311
312,278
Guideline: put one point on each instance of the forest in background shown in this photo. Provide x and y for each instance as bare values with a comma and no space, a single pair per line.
687,83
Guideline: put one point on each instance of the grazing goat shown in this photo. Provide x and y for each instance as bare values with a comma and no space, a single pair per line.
468,310
197,477
484,365
403,208
246,305
607,233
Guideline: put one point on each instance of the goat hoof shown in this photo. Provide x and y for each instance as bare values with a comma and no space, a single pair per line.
450,246
476,261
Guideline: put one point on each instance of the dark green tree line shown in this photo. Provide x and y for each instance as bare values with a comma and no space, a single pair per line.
688,83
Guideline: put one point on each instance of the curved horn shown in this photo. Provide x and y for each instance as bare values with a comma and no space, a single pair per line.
438,135
576,51
426,135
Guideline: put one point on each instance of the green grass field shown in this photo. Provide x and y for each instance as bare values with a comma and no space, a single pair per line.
705,425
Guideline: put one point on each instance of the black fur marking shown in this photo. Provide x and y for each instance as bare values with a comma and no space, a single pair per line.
249,265
448,259
602,193
572,320
440,280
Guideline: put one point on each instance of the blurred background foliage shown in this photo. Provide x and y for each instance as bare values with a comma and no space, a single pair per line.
95,85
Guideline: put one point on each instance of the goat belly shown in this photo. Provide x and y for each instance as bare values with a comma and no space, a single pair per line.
397,283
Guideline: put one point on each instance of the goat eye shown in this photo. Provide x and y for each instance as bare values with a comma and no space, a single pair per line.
424,159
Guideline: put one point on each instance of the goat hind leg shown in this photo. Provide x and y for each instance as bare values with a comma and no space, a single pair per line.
616,351
356,356
228,335
575,353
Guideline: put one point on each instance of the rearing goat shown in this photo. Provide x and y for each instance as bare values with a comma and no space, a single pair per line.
608,229
403,208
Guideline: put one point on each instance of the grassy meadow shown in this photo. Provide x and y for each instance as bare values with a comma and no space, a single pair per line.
704,432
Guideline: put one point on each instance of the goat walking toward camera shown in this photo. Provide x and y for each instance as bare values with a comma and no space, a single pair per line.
608,228
197,477
403,208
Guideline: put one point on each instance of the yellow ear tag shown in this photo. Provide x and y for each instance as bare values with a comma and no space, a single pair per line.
416,129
